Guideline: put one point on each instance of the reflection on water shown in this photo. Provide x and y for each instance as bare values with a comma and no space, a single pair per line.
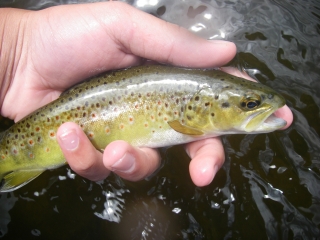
269,186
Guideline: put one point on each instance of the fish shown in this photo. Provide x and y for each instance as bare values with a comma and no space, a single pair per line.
147,106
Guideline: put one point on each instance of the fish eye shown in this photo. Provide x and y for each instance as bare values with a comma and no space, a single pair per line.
250,101
253,104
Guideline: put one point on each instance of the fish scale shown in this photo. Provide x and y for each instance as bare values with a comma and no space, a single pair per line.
147,106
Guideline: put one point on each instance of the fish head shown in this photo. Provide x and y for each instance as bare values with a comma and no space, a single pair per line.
233,109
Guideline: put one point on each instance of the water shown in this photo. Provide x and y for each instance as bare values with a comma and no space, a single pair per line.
269,187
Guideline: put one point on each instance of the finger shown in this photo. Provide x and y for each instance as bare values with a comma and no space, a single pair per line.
112,35
81,155
286,114
149,37
207,158
129,162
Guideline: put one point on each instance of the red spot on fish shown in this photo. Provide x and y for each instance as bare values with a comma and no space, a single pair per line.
31,142
91,135
37,129
57,117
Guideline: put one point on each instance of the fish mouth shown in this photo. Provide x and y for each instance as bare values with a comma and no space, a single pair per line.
267,124
272,123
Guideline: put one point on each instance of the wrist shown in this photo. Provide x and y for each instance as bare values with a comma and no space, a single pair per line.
12,26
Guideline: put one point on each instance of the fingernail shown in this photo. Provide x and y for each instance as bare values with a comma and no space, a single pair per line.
69,140
219,42
125,164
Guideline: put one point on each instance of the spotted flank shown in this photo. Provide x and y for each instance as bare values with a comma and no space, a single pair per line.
147,106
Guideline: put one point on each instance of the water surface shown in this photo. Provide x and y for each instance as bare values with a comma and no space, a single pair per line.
269,186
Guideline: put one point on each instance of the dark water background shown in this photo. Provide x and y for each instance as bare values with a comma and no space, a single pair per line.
269,186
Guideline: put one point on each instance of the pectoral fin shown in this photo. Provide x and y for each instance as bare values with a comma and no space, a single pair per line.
17,179
177,126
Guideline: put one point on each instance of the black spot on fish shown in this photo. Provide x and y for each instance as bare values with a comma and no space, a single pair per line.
177,101
86,103
243,104
207,104
225,105
84,114
110,102
70,98
77,95
190,107
189,117
222,79
97,105
197,98
28,125
212,114
216,97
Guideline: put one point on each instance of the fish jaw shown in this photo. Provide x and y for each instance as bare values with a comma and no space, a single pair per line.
271,123
263,121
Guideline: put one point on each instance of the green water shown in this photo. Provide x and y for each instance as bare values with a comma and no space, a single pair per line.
269,186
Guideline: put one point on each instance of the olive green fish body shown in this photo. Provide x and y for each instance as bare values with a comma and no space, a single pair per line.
147,106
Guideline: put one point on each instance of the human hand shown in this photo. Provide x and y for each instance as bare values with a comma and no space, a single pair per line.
65,44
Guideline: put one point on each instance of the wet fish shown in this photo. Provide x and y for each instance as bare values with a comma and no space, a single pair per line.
149,106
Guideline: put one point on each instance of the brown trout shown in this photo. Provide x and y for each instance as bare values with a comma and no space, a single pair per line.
147,106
